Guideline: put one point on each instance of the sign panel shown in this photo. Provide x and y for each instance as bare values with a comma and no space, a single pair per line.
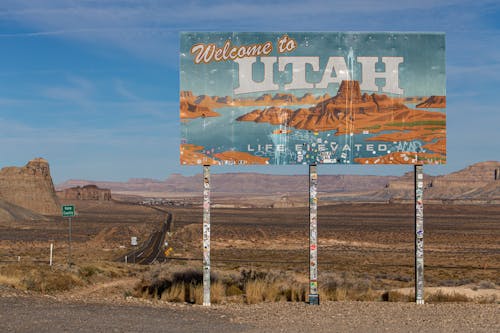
68,211
303,98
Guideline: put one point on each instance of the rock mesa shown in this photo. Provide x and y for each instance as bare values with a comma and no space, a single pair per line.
30,187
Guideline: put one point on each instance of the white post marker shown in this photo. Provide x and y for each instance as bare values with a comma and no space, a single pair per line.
51,251
419,234
206,235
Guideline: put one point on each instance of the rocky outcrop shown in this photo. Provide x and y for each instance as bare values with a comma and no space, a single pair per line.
189,110
351,112
433,102
331,113
476,183
30,187
87,192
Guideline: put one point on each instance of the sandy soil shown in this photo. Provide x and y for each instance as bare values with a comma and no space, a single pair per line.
43,314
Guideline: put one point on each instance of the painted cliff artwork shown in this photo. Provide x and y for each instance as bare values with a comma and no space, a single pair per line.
304,98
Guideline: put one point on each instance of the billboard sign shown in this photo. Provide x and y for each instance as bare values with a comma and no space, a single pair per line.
312,97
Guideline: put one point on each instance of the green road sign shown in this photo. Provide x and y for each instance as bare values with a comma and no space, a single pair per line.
68,211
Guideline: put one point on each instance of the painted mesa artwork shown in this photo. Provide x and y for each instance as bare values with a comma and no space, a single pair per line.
304,98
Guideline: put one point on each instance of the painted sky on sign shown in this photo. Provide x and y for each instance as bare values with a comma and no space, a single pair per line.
93,85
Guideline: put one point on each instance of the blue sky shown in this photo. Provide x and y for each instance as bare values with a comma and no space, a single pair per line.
92,86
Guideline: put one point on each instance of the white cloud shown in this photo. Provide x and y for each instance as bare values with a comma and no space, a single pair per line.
149,28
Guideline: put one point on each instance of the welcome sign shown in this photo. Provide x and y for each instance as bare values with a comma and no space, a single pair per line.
303,98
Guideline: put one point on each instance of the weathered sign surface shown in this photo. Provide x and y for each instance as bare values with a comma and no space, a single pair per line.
303,98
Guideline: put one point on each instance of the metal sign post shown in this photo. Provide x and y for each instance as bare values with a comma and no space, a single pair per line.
419,234
69,211
206,235
313,236
133,242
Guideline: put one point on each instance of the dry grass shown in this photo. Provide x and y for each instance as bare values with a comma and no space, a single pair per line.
175,293
48,280
191,293
217,292
9,281
41,279
436,297
396,296
249,287
441,296
346,287
257,291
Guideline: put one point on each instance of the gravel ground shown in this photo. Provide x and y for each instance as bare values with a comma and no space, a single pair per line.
47,314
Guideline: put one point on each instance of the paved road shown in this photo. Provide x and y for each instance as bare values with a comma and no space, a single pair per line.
151,250
46,315
38,314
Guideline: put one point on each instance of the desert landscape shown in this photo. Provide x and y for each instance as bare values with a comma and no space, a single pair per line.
259,240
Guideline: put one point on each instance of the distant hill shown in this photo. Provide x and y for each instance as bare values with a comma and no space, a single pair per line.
478,183
243,183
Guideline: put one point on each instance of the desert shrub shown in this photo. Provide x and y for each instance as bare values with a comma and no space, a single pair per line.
182,286
189,276
196,293
217,292
259,290
233,290
489,299
293,292
454,283
345,286
396,296
87,272
486,285
253,275
254,291
47,281
175,293
440,296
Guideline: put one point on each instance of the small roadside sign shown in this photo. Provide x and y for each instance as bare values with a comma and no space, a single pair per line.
68,210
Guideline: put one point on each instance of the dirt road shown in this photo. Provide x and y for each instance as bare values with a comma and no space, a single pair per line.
42,314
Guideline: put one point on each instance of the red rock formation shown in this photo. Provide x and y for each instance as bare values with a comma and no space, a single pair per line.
433,102
286,98
87,192
30,187
189,111
186,94
352,112
264,98
273,115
